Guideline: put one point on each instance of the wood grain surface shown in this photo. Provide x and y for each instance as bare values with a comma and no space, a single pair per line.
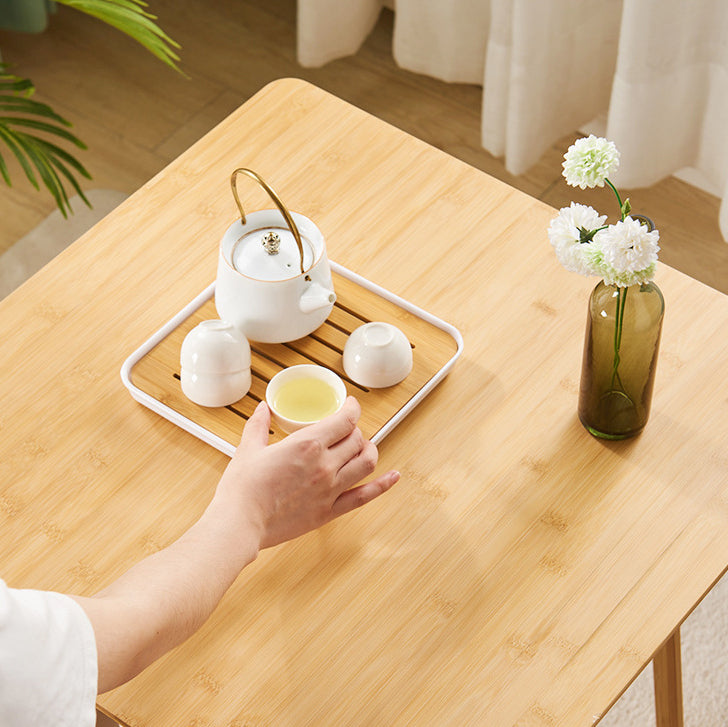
521,573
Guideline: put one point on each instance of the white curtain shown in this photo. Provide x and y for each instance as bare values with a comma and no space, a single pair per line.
657,69
330,29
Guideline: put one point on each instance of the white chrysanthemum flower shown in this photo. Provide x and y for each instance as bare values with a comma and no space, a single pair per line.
589,161
565,234
628,253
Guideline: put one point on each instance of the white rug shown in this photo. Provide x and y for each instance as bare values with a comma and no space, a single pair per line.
40,245
704,635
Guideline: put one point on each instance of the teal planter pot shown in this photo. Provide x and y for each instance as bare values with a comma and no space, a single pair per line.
26,16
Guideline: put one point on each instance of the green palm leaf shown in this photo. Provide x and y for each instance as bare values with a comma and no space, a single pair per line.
129,17
9,138
27,105
38,157
13,83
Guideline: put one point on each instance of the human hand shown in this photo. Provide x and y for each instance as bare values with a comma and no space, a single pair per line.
296,485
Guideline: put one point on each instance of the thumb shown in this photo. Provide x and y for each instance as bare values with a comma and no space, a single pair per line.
255,433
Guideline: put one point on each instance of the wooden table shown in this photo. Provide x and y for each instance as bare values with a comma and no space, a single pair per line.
522,572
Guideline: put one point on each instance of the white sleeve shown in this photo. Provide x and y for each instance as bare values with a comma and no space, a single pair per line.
48,662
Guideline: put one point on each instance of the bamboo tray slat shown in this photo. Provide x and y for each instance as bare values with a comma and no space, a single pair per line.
152,373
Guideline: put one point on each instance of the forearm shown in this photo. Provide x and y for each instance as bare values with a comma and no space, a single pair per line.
165,598
267,495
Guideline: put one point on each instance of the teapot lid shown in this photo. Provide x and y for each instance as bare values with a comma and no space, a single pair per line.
271,253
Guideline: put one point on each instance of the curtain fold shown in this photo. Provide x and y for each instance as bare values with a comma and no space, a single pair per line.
331,29
430,37
545,77
657,69
669,102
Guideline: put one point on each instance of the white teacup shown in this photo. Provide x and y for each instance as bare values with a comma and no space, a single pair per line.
377,355
301,395
215,364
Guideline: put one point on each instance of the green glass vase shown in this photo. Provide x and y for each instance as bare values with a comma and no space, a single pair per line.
620,357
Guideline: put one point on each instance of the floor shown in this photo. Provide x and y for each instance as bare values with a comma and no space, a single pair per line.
136,115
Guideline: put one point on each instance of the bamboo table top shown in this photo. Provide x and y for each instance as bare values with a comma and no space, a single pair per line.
521,573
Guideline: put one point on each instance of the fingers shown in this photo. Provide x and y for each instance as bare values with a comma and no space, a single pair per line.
256,428
348,448
336,427
358,496
358,466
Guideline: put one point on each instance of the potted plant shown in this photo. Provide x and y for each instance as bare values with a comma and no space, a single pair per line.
32,131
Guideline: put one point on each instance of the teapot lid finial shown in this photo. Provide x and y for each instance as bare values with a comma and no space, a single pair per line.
272,242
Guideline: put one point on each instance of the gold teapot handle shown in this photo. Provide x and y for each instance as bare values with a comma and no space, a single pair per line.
276,199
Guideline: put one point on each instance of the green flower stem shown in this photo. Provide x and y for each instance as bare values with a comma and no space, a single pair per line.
619,319
619,199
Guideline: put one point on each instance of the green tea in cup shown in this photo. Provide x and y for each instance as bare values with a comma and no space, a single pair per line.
306,399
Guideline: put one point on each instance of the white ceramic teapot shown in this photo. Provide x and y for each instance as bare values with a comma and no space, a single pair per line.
273,277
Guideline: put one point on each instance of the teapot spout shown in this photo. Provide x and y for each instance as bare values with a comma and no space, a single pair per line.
316,296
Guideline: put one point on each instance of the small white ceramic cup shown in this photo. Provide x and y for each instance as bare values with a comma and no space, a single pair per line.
215,364
302,371
377,355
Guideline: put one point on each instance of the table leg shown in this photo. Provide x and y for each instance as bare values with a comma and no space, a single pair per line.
667,674
103,721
